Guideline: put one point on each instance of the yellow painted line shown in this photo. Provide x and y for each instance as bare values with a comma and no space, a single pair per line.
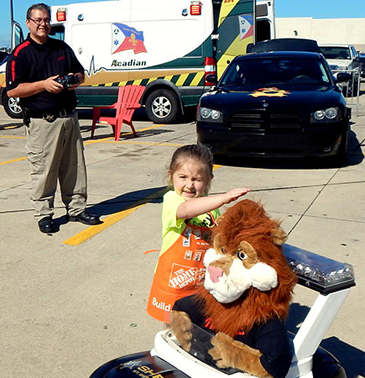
10,127
25,158
103,140
13,161
11,137
147,143
92,141
150,128
94,230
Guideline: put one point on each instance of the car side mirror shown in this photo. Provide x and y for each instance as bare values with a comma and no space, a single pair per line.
211,78
341,77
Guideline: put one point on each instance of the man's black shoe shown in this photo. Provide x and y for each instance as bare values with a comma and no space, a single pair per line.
85,218
46,225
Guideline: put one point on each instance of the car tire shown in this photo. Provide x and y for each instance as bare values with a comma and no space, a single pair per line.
340,159
162,106
12,107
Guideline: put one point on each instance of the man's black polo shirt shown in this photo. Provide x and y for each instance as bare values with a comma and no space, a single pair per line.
31,62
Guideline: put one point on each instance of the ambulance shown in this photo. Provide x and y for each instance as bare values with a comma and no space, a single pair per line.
169,47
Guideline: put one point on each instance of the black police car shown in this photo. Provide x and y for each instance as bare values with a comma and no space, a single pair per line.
276,104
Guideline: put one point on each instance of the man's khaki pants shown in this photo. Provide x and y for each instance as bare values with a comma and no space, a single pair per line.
55,151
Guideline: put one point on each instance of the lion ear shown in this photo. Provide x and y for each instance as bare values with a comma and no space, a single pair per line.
216,242
279,236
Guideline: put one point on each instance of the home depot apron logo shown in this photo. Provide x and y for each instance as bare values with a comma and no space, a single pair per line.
179,270
183,276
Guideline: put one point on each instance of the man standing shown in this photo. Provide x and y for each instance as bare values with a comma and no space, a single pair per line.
54,144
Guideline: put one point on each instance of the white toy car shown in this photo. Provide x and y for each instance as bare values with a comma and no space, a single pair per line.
331,279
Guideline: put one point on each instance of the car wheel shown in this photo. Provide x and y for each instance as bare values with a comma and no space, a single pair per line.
341,157
12,107
162,106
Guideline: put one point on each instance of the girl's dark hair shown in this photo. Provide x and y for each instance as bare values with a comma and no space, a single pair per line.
39,6
196,152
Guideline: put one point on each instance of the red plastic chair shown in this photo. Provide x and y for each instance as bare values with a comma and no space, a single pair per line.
127,103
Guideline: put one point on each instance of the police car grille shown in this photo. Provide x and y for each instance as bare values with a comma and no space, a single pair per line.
255,121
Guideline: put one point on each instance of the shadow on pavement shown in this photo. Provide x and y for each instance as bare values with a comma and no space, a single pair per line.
126,134
128,200
123,202
351,358
139,114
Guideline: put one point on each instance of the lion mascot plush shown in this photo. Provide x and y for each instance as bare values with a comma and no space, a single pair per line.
246,295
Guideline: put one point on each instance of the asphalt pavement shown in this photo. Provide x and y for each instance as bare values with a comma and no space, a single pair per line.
76,299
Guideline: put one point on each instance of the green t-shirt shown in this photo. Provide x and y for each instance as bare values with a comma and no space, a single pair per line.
172,227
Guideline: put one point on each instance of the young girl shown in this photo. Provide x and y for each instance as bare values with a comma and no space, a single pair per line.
188,214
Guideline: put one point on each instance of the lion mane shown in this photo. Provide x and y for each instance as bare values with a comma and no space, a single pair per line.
247,221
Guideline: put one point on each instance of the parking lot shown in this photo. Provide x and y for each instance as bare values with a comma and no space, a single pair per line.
76,299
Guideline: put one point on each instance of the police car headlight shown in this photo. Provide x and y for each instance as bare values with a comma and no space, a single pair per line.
325,115
211,115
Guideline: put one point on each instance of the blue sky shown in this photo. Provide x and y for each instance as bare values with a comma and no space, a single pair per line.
283,8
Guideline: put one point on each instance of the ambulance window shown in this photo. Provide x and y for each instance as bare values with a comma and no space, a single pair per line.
58,32
261,10
263,30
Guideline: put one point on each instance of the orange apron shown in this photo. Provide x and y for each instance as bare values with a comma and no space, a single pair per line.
179,270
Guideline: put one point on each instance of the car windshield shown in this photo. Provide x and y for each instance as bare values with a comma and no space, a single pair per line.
201,344
274,71
336,52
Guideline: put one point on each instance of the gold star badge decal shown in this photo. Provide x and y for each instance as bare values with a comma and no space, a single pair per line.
269,92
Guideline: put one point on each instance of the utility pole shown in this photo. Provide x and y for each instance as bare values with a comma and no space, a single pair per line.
11,25
11,12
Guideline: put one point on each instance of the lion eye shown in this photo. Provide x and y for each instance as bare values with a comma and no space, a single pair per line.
242,256
223,250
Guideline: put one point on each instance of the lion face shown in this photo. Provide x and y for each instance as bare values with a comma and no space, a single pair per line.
248,280
230,273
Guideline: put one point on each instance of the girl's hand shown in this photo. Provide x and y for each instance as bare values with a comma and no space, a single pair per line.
233,194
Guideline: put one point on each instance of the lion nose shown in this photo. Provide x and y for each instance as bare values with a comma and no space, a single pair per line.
215,273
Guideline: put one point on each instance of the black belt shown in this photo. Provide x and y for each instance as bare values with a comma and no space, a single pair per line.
50,116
